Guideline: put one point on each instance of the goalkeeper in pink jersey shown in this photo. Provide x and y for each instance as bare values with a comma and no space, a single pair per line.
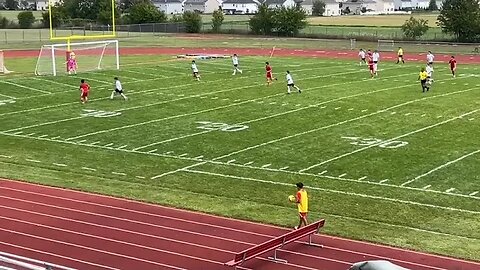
72,64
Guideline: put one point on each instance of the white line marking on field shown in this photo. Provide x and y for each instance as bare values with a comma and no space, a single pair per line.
183,155
266,165
248,163
43,136
365,110
81,141
383,181
338,108
471,119
427,187
123,146
362,178
323,172
260,102
342,175
407,114
4,156
473,193
272,103
108,145
323,107
214,98
283,168
93,143
231,161
17,133
60,164
168,153
392,113
33,133
89,169
152,151
199,157
423,115
363,195
440,116
440,167
390,140
25,87
140,177
33,160
449,190
119,173
351,109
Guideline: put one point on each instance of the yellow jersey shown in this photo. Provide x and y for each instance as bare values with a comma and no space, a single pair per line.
400,52
302,201
423,75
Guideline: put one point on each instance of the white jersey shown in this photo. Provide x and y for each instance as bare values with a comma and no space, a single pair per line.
235,60
194,68
375,57
430,58
361,54
289,79
118,85
429,70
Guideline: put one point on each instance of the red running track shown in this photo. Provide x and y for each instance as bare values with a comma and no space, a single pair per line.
90,232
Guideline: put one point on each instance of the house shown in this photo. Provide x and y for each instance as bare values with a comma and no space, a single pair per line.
420,4
385,6
43,4
280,3
355,6
403,4
332,8
169,6
307,5
202,6
240,6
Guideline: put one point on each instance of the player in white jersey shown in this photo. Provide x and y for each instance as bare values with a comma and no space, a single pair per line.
361,55
195,71
429,70
290,83
375,58
235,64
430,58
118,89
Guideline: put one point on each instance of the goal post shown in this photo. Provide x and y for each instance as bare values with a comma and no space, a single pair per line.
89,56
386,45
3,69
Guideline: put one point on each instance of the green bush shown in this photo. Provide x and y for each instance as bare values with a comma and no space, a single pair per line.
263,21
461,18
193,22
414,28
217,20
25,19
284,21
318,8
145,12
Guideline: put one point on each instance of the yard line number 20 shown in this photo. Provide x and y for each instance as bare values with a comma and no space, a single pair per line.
376,142
220,126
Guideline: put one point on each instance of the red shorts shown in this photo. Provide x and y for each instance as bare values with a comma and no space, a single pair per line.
453,68
84,94
371,67
303,214
269,75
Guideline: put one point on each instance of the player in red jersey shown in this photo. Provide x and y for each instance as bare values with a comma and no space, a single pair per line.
453,65
269,72
84,89
371,67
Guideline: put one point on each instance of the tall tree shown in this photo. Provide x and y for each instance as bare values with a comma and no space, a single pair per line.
461,18
318,8
11,4
263,21
289,21
415,28
432,5
145,12
217,20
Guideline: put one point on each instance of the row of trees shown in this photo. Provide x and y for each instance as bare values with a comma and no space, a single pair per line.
284,21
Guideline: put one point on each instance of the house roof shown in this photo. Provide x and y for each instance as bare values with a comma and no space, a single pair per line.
240,2
271,2
195,1
166,1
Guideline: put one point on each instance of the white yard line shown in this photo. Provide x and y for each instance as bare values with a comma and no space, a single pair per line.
9,97
60,164
89,169
389,140
362,195
440,167
24,87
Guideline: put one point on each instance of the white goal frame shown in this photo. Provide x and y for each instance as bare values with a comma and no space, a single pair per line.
51,49
3,69
386,45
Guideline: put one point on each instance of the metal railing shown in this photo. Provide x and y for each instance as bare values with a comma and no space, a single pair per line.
15,262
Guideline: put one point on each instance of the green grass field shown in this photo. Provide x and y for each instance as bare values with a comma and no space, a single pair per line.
374,20
382,161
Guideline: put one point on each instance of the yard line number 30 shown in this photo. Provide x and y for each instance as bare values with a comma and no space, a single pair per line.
375,142
220,126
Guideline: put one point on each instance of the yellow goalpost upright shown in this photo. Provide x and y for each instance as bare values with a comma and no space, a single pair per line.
93,54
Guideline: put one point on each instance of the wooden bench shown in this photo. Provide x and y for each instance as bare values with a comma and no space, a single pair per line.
277,243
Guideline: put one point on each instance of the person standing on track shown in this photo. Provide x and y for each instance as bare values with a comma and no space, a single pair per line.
400,56
302,205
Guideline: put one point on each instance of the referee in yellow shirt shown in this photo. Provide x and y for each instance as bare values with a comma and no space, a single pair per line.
400,55
423,79
302,205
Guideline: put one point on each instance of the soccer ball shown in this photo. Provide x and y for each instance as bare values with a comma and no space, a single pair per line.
291,198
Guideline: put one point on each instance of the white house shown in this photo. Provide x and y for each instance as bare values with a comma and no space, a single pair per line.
240,6
202,6
169,6
43,4
332,8
385,6
403,4
280,3
420,4
307,5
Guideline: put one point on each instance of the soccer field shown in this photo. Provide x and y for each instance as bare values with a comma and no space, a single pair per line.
382,161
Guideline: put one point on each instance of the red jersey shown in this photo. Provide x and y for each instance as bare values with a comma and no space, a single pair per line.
370,63
85,87
268,68
453,63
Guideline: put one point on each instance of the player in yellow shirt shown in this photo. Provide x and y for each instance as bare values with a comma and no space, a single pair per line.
423,80
400,55
302,205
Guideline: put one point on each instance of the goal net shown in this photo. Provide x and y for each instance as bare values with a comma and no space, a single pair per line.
386,45
3,69
88,56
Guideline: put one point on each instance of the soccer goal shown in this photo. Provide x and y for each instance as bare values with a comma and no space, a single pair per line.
386,45
89,56
3,69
